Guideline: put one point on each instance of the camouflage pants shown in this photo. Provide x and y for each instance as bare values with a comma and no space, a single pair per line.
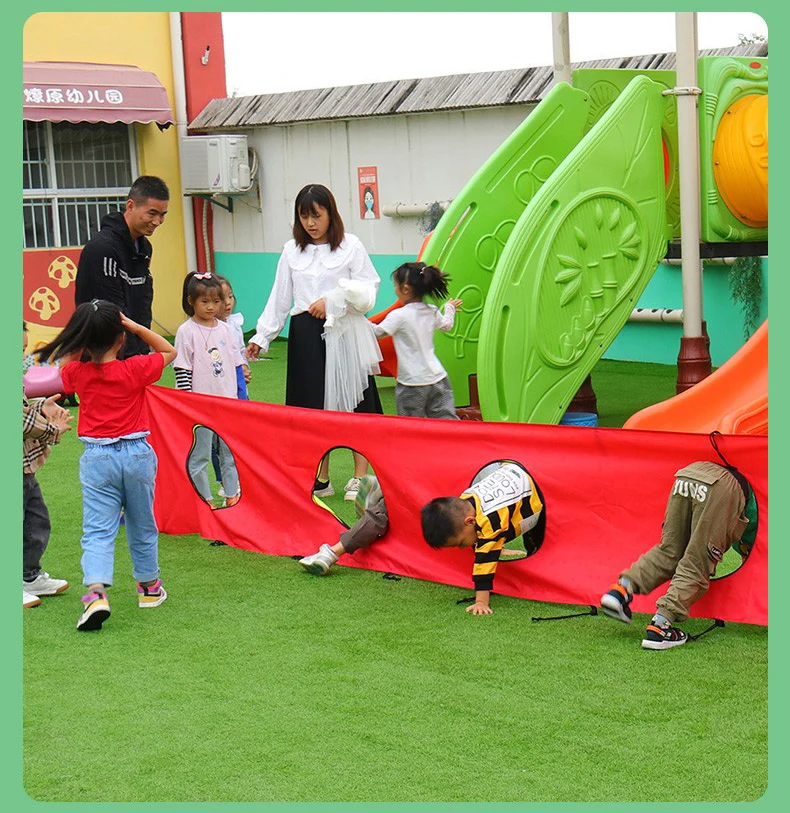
374,519
704,517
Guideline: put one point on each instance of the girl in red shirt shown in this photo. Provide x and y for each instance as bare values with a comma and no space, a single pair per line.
118,466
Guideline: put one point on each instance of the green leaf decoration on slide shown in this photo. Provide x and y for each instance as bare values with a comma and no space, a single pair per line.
575,264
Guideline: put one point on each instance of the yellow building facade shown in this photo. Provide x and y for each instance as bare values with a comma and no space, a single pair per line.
137,39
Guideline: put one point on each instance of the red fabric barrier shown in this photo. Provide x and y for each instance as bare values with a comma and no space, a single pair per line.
605,492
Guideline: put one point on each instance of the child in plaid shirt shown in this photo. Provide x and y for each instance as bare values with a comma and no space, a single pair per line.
43,422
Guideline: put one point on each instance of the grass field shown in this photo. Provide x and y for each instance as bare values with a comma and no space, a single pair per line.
258,682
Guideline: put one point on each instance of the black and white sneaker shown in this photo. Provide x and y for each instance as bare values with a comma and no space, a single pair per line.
615,603
663,637
323,489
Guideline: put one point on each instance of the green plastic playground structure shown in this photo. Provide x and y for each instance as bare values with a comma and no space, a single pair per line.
554,239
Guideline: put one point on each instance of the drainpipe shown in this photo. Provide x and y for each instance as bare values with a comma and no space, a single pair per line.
177,53
561,46
694,362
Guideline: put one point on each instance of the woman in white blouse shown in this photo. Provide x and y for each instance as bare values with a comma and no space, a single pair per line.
309,271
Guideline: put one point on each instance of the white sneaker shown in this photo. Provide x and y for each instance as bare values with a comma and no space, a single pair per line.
45,585
352,489
29,600
221,492
320,562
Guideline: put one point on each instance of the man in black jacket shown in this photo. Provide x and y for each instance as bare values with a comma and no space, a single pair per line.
115,263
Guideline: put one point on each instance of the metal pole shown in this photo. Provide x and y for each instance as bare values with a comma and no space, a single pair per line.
561,45
694,358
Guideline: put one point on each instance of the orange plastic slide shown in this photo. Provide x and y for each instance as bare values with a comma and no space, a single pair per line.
733,400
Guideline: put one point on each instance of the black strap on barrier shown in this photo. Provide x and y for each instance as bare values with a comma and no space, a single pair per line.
218,543
391,577
717,623
592,611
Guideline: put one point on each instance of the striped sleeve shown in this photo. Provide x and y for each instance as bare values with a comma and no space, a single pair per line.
492,531
183,379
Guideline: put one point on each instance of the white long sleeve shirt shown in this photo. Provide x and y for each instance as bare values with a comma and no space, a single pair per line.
305,276
412,328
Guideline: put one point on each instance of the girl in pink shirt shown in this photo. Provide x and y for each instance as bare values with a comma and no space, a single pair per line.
208,355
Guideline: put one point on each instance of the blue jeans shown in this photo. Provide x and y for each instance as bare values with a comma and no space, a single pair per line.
199,457
241,385
118,476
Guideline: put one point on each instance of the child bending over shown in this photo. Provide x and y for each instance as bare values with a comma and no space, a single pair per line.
710,509
373,523
503,504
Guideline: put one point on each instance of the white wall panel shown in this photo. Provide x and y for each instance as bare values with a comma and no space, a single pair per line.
420,158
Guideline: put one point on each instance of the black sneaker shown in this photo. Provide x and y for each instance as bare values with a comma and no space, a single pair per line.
663,637
615,603
96,612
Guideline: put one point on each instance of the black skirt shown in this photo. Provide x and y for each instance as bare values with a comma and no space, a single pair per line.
306,374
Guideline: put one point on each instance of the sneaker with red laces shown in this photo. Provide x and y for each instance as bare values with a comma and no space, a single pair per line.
615,603
152,595
663,637
96,612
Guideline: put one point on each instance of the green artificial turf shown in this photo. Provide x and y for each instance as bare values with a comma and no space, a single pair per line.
258,682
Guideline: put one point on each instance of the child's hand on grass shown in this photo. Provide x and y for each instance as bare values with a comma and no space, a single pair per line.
480,608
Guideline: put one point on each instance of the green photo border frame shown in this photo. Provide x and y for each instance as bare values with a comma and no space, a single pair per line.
777,16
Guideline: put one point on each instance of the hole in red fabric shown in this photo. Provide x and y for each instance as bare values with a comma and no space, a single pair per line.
338,489
211,467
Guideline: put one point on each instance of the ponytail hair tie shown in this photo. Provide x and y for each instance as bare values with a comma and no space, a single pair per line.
207,275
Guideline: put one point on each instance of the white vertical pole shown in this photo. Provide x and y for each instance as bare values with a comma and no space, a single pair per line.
561,45
177,55
688,156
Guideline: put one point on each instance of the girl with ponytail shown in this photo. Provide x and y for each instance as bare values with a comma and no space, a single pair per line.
118,465
423,389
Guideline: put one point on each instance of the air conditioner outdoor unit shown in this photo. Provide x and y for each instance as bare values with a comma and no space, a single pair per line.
216,164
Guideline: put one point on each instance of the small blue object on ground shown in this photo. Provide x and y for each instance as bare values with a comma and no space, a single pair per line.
579,419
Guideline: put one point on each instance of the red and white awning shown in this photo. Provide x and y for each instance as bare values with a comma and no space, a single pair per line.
84,92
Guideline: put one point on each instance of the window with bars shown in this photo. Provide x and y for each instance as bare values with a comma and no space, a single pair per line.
73,174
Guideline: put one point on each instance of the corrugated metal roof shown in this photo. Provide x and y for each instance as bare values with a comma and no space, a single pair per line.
456,92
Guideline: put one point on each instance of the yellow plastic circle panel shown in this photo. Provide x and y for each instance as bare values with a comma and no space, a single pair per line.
740,160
